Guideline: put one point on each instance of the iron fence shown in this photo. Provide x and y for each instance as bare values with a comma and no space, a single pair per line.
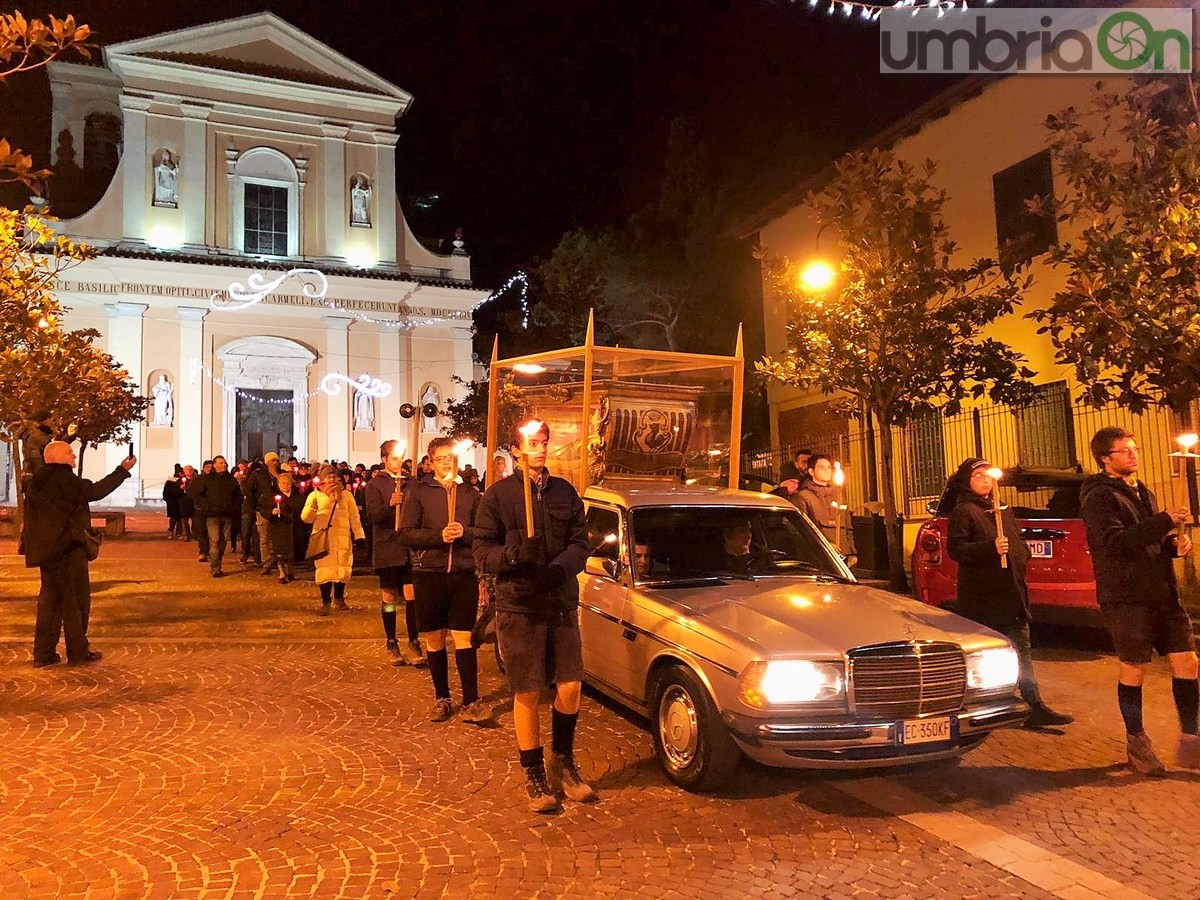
1052,433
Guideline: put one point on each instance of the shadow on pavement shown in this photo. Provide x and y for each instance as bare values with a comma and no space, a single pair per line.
109,697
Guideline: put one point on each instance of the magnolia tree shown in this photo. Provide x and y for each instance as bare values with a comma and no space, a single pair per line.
901,329
1127,319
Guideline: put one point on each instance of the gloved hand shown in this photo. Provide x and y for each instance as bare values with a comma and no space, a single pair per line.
550,578
528,551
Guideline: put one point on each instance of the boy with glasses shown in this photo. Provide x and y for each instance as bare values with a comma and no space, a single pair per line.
1133,546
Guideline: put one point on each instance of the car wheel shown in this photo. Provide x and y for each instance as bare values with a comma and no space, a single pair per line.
693,745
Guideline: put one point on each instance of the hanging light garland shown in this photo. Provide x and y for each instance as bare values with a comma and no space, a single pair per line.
870,12
519,278
331,385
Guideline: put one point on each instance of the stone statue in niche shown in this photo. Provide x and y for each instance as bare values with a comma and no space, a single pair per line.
166,176
429,424
364,412
164,404
360,201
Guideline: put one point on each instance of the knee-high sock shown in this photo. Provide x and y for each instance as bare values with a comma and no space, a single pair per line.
1187,701
439,671
562,731
410,620
1129,698
467,663
387,612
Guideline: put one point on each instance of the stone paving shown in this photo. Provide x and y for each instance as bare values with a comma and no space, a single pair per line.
234,744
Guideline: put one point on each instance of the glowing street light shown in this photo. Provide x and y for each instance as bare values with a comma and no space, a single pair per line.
817,276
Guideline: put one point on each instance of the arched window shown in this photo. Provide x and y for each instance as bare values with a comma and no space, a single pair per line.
102,143
264,204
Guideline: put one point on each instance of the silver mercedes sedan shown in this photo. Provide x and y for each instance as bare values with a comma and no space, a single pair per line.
736,628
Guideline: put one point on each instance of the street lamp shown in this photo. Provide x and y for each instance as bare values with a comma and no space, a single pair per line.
817,276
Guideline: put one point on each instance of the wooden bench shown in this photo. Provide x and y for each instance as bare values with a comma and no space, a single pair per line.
114,522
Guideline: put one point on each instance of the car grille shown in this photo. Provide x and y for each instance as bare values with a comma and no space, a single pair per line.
897,681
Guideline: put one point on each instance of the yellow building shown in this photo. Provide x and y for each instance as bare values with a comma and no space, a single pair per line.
989,140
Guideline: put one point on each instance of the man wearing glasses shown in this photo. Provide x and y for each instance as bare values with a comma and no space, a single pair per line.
1133,545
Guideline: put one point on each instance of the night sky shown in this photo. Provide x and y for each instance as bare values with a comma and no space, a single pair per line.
535,116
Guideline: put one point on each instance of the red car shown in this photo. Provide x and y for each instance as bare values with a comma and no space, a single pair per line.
1061,585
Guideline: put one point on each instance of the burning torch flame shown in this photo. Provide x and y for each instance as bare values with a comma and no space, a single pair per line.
530,428
995,473
529,368
462,447
839,477
1188,441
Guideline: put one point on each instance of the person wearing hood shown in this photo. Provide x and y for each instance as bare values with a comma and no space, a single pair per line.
988,592
1133,548
54,540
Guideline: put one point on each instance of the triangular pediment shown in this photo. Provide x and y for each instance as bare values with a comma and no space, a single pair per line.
262,45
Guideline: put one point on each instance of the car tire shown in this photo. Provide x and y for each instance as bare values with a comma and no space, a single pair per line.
691,742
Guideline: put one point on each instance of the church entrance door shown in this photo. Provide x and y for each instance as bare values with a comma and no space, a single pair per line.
264,427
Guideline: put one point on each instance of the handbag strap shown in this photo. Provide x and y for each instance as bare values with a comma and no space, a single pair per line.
332,510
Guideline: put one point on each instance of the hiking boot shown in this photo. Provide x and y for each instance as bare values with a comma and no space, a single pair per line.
90,657
393,649
441,711
324,609
1044,717
1142,758
411,655
340,603
563,777
476,713
541,798
1188,754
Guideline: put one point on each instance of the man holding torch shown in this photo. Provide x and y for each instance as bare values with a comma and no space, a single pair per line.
986,543
389,556
531,534
437,523
1133,550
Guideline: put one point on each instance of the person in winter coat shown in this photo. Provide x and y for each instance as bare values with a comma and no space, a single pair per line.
1133,546
187,507
219,499
281,512
199,520
444,582
332,509
989,593
817,497
56,517
34,440
172,494
390,557
262,484
537,610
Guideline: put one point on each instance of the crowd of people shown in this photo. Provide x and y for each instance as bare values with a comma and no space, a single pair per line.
443,551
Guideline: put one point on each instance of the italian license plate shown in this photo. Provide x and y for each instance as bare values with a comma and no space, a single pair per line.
925,731
1041,549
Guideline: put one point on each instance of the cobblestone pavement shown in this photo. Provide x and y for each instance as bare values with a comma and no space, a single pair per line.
234,744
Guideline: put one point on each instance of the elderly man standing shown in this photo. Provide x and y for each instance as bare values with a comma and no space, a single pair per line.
56,521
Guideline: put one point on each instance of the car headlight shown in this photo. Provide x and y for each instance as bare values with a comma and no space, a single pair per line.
783,681
992,669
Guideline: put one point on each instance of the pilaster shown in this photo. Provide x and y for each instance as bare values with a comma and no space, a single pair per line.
193,193
337,359
134,169
333,189
189,398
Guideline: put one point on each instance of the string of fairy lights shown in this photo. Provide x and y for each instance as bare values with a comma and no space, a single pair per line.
315,285
869,12
331,385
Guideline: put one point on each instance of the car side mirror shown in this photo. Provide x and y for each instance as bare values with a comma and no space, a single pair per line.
602,567
932,507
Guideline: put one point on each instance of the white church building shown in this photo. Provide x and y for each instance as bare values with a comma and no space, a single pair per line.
240,152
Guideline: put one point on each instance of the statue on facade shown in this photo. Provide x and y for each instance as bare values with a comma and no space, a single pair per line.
364,412
429,424
164,405
166,175
360,201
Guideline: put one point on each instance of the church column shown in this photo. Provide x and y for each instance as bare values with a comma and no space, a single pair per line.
134,169
193,194
189,392
333,189
387,204
125,346
337,358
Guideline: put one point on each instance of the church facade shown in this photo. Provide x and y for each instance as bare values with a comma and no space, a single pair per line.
256,275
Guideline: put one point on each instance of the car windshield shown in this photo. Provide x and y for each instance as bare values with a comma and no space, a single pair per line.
684,543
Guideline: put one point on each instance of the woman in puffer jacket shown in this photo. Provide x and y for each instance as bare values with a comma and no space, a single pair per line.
331,508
